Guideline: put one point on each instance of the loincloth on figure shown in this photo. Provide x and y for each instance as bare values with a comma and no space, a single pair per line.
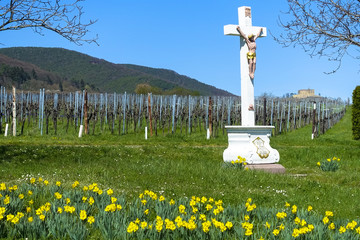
251,55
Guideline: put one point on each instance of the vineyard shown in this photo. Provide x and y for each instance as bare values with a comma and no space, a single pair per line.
48,113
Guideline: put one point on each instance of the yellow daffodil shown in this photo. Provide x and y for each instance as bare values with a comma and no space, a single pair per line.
311,227
75,184
110,208
229,225
83,215
302,223
110,192
329,214
7,200
133,227
143,225
57,195
91,219
182,209
331,226
281,215
276,232
351,225
296,233
206,226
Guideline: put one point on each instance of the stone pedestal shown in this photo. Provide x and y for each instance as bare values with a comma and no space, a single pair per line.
251,143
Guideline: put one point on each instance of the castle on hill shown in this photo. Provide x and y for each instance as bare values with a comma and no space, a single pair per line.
306,93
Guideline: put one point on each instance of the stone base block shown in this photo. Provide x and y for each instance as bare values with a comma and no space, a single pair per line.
271,168
251,143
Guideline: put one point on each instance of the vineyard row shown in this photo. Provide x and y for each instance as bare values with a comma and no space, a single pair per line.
130,113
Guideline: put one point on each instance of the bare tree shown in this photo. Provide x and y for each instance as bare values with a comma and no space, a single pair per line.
322,27
61,16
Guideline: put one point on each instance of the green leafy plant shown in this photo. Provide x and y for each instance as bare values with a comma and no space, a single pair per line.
239,163
356,113
330,165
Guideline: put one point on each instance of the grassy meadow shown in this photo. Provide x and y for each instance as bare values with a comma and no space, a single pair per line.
189,165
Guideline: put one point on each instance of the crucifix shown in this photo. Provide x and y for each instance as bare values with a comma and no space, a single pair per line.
248,34
249,141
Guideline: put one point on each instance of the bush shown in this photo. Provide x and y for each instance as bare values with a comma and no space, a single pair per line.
356,113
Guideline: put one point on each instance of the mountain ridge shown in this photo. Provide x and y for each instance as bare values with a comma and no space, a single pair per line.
74,69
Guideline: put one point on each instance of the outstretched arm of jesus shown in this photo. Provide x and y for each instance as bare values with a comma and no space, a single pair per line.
241,32
259,33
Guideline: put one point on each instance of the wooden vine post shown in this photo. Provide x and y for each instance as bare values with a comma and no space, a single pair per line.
210,116
14,111
264,113
313,135
149,110
86,112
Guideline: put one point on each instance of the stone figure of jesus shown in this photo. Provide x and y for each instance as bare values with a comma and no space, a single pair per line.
251,55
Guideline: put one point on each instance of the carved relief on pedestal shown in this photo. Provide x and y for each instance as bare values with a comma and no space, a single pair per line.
262,151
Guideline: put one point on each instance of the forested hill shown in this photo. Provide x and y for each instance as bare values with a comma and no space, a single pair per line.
74,69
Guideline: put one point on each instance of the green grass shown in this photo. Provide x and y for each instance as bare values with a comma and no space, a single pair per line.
190,165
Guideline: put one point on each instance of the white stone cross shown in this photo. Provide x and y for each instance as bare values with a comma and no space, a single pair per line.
247,84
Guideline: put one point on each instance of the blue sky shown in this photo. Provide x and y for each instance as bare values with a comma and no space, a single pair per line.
187,36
